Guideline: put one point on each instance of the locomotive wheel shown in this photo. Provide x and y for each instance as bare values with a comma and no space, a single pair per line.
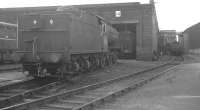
114,59
102,62
63,71
68,70
81,62
72,68
97,63
87,65
108,62
76,66
92,61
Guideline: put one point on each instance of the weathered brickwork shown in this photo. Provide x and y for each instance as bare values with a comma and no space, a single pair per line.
142,14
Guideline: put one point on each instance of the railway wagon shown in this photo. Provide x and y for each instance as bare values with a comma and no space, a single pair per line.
62,44
8,42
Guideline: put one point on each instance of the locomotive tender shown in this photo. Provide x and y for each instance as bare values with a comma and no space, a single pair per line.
64,43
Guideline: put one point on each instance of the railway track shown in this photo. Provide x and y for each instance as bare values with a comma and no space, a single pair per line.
84,97
12,93
6,82
9,68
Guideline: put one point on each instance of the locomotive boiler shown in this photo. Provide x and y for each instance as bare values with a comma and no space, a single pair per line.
63,43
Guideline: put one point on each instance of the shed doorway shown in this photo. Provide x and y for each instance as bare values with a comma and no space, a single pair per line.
127,35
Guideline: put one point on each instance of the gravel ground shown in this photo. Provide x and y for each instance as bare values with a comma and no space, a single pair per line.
8,67
179,89
10,73
121,68
11,77
191,59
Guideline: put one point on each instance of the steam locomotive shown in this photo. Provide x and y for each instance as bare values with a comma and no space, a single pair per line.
175,48
65,42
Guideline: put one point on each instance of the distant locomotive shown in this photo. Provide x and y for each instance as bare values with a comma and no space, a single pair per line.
175,48
127,44
64,43
8,42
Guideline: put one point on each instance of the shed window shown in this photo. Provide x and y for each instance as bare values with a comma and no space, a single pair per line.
117,13
34,21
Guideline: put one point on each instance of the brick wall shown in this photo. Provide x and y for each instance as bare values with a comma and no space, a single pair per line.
147,27
142,14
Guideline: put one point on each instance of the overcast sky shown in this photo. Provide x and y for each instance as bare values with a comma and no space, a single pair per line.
172,14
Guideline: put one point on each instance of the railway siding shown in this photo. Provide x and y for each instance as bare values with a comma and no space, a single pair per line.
43,99
109,93
176,90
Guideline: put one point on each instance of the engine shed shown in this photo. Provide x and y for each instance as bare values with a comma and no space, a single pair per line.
137,25
136,22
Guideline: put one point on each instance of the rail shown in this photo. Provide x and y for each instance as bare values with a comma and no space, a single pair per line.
37,98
